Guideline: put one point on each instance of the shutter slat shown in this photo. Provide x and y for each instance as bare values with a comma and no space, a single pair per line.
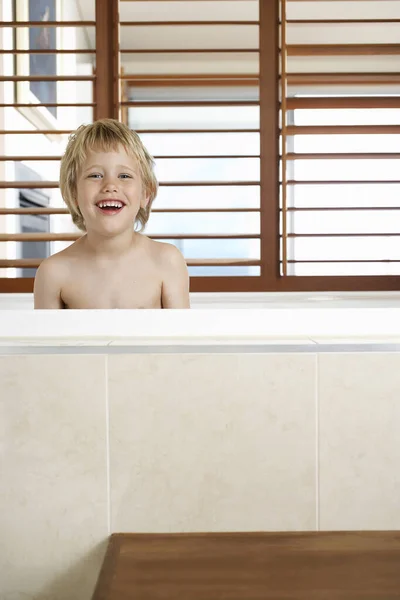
342,129
342,155
54,184
184,23
33,263
41,24
65,211
72,237
343,49
343,102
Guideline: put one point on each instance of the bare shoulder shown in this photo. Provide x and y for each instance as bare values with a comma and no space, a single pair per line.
167,255
51,267
56,264
49,279
174,274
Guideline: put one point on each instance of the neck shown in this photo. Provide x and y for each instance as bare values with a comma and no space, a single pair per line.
103,247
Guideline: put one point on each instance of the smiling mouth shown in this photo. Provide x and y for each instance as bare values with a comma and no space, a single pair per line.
110,207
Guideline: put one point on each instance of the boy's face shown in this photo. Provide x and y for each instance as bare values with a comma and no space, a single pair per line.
110,191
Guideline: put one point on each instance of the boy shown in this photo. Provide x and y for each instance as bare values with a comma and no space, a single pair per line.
108,184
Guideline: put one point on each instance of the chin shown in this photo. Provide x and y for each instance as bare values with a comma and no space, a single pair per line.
115,229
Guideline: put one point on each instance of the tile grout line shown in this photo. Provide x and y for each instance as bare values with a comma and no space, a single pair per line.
317,516
108,486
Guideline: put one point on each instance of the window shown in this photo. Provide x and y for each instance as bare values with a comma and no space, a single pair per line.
341,133
274,125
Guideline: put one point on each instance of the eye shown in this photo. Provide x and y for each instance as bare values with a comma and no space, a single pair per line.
125,176
94,176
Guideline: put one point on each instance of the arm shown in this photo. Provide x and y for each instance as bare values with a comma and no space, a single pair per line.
47,287
175,287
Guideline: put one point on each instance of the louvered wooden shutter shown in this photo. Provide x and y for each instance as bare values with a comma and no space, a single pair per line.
190,81
340,166
274,124
47,90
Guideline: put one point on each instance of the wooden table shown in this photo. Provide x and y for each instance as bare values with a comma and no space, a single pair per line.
251,566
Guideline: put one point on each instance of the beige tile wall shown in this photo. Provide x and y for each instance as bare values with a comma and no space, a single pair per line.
197,442
359,406
53,490
212,442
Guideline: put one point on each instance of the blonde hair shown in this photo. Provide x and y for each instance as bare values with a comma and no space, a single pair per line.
104,135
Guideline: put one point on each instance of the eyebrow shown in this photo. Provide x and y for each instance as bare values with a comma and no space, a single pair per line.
92,167
126,167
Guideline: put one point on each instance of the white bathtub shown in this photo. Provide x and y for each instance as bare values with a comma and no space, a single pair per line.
244,319
256,300
279,412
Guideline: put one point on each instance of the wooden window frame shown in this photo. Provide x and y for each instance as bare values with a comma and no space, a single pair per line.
107,99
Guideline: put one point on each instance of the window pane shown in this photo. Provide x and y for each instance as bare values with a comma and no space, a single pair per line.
202,169
343,9
218,248
182,144
195,117
347,143
233,223
190,63
40,170
354,269
68,38
224,271
173,93
240,10
347,248
343,194
342,64
369,221
208,197
347,116
344,77
346,33
190,37
205,169
349,170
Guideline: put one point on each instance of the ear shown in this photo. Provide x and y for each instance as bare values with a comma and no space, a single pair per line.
74,195
144,201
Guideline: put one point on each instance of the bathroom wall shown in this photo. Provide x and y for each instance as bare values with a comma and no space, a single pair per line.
132,441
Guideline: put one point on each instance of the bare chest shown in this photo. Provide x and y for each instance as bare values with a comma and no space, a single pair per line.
113,286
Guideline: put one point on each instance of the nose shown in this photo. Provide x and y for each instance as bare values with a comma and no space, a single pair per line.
110,185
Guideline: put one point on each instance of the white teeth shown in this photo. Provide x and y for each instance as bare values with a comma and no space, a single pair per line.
110,203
